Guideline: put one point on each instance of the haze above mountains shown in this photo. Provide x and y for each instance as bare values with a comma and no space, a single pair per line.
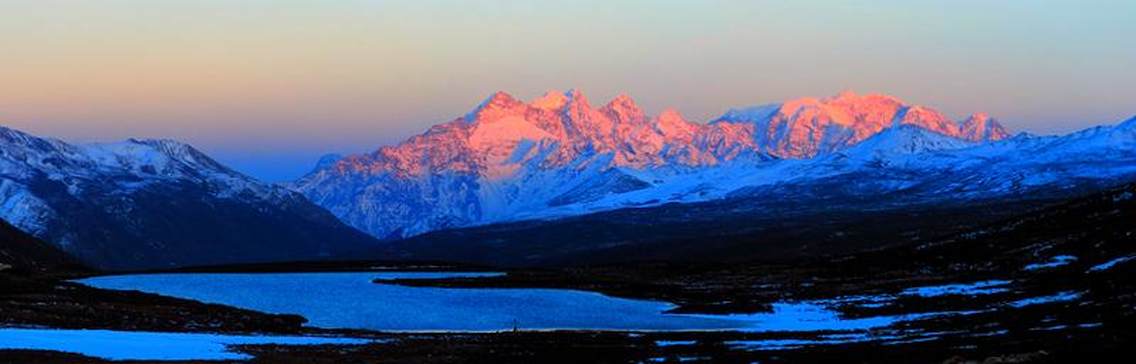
160,203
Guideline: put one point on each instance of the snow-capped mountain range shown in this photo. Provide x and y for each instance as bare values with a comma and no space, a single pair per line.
155,203
161,203
558,156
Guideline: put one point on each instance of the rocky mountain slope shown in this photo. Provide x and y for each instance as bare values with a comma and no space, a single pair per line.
156,203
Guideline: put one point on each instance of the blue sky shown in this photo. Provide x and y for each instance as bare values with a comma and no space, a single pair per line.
269,86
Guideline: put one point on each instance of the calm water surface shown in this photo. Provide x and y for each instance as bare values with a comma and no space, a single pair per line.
351,300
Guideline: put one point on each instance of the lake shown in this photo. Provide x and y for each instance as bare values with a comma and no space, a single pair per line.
352,300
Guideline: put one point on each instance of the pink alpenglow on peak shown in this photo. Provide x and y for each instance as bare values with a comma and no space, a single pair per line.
807,127
508,157
558,128
551,100
981,127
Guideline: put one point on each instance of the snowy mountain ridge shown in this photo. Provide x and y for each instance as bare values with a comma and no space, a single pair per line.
141,161
151,202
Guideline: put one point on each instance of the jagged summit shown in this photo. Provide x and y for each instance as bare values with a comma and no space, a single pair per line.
622,101
576,95
982,127
551,100
498,102
624,109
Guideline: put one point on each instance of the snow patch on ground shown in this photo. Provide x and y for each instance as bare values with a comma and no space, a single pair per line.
674,342
1059,297
817,316
976,288
1053,262
1112,263
887,338
136,345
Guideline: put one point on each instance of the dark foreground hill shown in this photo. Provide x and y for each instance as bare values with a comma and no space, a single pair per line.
20,252
1084,241
732,230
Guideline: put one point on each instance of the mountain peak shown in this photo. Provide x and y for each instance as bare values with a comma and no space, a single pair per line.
165,156
845,95
501,96
981,127
577,105
851,97
670,113
575,96
496,102
325,161
499,99
792,105
905,139
551,100
17,136
622,100
751,113
624,108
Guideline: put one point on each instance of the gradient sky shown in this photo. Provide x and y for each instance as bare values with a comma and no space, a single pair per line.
269,86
